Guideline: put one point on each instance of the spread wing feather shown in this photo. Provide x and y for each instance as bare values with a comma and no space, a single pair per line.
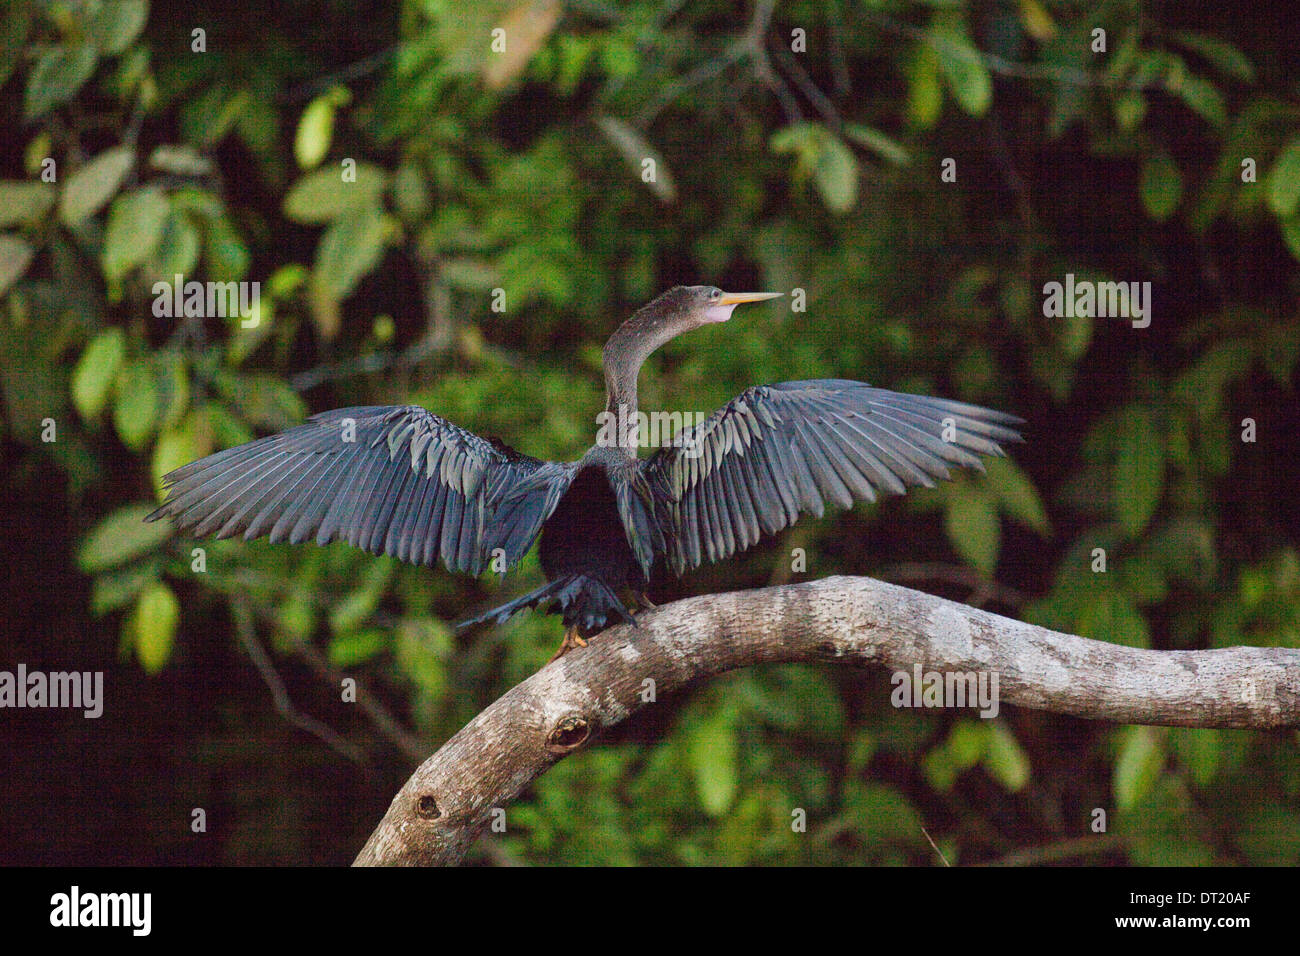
776,451
395,480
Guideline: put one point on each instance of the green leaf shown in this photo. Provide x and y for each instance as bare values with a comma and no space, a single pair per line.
225,252
1204,98
350,248
354,610
836,175
203,205
940,768
315,132
136,222
1141,758
1161,187
1129,109
93,185
180,160
924,92
471,274
157,613
884,146
179,446
323,195
967,742
416,652
1225,57
24,203
96,370
244,341
962,65
861,748
177,252
711,755
15,256
57,76
117,23
135,412
1283,182
121,536
972,525
1139,469
286,280
295,618
1004,758
122,586
1017,494
410,192
803,140
349,650
1291,235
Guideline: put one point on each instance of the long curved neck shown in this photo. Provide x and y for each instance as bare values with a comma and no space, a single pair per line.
624,354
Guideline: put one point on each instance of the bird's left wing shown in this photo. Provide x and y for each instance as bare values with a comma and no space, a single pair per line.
396,480
776,451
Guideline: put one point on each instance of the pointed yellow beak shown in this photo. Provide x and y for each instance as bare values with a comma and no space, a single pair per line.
740,298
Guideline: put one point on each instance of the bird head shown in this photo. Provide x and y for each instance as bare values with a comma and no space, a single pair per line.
687,307
678,310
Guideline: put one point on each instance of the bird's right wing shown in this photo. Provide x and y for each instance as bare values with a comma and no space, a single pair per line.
396,480
775,451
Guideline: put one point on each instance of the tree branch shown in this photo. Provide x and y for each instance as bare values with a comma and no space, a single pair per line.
861,622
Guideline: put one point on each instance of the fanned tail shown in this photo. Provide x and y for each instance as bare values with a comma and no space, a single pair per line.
583,600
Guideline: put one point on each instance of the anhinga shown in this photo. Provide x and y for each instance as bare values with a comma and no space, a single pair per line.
402,481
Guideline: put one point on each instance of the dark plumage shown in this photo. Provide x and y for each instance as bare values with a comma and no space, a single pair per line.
399,480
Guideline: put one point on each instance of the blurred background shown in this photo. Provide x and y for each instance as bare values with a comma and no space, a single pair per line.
388,177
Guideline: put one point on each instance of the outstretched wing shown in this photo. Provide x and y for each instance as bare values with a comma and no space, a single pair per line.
776,451
396,480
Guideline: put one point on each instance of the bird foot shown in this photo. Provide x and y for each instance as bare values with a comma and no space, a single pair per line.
571,640
643,601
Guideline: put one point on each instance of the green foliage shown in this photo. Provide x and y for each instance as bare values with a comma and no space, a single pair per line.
90,188
152,628
824,157
118,538
96,371
459,228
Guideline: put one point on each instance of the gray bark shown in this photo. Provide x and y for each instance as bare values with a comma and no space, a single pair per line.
450,798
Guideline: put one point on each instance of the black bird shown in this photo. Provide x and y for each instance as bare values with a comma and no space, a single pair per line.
402,481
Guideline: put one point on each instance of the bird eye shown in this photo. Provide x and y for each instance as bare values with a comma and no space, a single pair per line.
715,293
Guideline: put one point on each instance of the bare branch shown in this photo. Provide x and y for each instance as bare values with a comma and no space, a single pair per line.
247,634
449,799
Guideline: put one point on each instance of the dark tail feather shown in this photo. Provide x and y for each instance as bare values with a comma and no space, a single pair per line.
585,601
499,615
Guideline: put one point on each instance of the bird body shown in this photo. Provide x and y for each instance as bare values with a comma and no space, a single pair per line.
400,480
